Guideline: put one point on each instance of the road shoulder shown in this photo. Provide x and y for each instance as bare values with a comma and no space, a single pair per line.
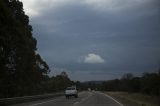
132,99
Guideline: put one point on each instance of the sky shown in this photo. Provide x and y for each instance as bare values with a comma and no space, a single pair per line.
97,39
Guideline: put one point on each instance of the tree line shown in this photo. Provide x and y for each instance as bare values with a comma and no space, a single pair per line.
148,83
22,70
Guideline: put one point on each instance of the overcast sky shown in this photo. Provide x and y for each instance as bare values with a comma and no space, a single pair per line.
97,39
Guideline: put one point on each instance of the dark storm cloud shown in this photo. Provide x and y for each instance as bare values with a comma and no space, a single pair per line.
126,38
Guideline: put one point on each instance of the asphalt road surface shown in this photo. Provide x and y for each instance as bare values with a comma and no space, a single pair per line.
85,99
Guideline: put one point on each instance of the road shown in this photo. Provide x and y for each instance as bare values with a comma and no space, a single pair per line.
84,99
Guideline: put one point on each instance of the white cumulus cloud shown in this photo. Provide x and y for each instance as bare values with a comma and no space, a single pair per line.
93,58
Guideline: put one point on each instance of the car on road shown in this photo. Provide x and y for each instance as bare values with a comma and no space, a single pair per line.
71,91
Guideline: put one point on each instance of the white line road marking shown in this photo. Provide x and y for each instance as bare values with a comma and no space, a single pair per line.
114,99
90,94
75,103
81,93
111,98
82,100
44,102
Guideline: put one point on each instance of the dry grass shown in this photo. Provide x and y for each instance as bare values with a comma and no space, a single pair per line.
135,99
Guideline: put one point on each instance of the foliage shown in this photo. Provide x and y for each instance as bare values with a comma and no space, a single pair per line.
21,68
148,83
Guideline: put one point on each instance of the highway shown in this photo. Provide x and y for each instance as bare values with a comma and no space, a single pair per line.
93,98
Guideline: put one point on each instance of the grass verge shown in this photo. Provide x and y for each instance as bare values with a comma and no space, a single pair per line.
135,99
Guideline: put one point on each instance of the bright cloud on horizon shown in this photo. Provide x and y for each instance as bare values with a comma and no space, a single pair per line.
93,58
35,7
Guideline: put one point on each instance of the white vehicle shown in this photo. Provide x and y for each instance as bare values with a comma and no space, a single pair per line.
71,91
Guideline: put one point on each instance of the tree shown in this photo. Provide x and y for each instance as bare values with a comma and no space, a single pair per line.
150,84
64,74
21,68
62,81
